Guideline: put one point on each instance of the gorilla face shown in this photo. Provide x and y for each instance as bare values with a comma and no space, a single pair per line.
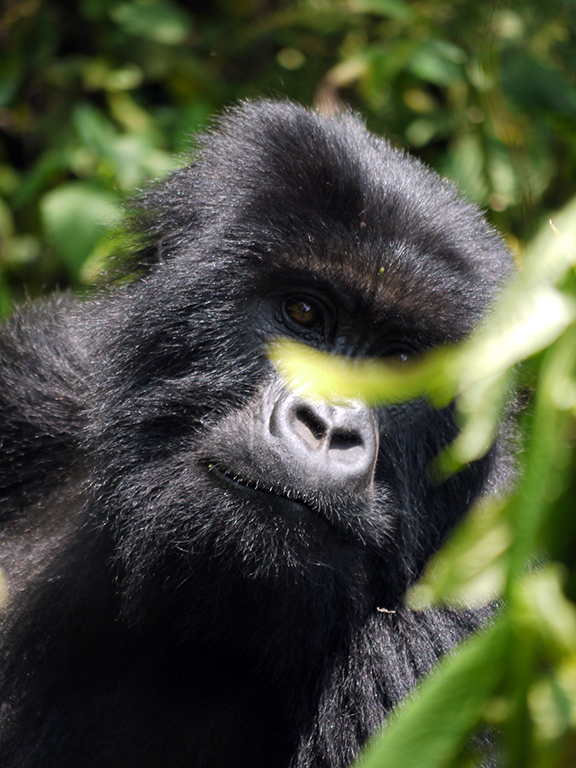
288,225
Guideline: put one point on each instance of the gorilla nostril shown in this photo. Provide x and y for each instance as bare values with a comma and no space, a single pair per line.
345,440
308,426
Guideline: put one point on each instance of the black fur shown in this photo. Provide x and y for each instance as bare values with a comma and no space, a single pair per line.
185,590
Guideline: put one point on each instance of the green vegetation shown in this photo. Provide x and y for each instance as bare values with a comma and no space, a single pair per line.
98,97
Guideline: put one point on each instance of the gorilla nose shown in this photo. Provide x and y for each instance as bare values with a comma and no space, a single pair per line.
334,446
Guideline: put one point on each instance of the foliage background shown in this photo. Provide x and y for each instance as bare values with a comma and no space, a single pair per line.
98,96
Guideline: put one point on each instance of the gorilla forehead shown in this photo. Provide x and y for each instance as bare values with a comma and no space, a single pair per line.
290,165
280,184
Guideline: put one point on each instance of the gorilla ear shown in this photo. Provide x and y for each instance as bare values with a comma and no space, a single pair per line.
162,218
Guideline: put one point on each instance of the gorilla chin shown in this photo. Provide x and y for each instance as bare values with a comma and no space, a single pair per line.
198,556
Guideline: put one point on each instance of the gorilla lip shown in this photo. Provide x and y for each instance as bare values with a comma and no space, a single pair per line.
252,488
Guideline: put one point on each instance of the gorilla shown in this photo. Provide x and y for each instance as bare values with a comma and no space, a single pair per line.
204,567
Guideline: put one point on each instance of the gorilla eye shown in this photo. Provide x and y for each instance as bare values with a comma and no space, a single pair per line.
399,355
303,313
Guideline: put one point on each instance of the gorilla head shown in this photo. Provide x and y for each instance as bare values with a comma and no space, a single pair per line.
207,550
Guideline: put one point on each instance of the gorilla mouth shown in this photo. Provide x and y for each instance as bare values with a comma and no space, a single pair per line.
256,489
288,500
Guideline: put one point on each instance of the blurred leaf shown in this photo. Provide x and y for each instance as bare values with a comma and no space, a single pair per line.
164,22
75,217
94,267
10,77
466,165
438,62
133,160
421,131
48,167
554,246
546,463
326,376
552,615
431,728
528,318
93,127
100,73
388,8
23,249
6,222
471,569
6,306
131,157
536,86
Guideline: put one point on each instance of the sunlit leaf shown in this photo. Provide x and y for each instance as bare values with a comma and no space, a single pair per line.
551,613
322,375
528,321
471,568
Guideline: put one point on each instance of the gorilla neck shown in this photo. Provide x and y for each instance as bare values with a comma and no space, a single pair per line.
286,623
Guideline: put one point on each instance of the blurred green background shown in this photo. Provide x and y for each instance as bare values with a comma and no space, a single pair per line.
100,95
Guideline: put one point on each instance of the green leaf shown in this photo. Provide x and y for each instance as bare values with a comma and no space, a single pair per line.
11,69
551,614
432,727
465,164
6,307
395,9
163,22
75,217
438,62
94,128
47,168
471,568
326,376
